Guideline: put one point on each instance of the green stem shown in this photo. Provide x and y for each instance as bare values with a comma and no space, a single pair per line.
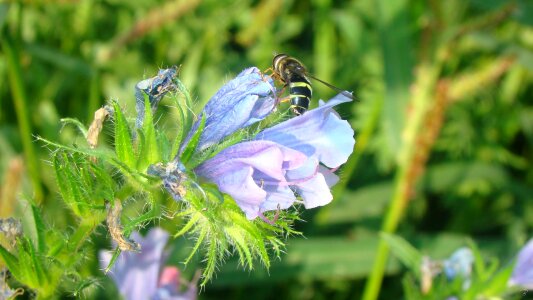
394,213
94,95
405,177
81,234
21,105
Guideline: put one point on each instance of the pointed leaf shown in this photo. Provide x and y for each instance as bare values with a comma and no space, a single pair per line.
404,251
39,229
76,123
150,149
116,253
191,147
12,263
37,264
123,141
67,183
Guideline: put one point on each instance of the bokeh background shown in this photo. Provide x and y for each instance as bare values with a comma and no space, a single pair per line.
443,117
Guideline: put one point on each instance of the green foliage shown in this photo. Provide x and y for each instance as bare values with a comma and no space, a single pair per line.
223,227
487,279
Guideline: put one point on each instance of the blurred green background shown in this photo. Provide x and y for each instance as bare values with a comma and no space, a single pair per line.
443,121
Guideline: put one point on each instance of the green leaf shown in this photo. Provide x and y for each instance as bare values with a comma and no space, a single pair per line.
479,264
185,115
108,157
40,229
37,264
66,181
189,225
12,263
153,213
84,230
116,253
104,181
181,133
195,139
76,123
499,282
123,141
150,149
197,245
404,251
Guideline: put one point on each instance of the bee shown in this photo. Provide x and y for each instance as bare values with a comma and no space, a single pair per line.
294,74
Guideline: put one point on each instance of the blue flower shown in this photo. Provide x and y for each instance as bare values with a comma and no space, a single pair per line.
523,270
246,99
459,264
137,274
295,156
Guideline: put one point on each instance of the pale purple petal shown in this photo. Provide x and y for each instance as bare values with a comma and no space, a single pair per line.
523,270
310,184
278,197
248,98
240,171
136,274
330,177
319,132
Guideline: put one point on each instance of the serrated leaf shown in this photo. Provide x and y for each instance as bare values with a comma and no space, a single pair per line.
195,139
404,251
123,141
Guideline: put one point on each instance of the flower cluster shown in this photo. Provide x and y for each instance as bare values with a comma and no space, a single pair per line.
271,170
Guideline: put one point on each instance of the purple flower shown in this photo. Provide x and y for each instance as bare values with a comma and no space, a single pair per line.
294,156
248,98
136,274
523,269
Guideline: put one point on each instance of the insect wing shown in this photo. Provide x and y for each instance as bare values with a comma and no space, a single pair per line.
343,92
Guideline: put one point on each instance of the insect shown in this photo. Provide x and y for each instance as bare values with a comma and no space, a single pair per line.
294,74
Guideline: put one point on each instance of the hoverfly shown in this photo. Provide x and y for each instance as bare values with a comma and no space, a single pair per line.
294,74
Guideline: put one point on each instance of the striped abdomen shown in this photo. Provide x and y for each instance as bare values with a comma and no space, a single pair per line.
300,93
